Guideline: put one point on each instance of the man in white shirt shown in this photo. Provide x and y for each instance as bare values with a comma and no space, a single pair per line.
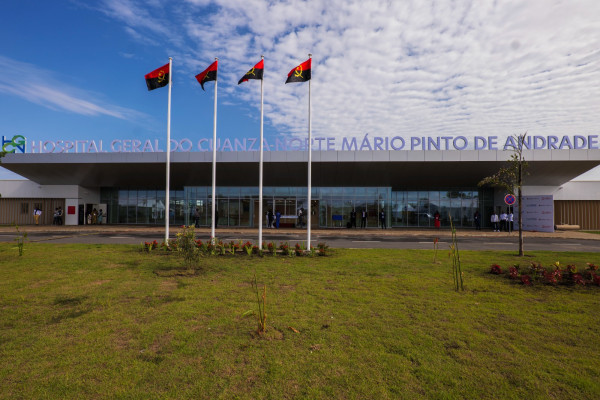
503,221
494,221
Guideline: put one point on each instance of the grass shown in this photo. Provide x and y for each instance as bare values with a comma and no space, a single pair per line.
106,321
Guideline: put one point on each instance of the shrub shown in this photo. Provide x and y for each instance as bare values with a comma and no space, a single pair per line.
526,280
248,248
578,279
496,269
323,249
186,245
513,272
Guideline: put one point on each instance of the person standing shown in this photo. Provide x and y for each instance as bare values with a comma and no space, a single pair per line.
100,216
277,218
503,221
477,219
300,217
363,221
196,218
494,220
270,219
510,221
382,219
37,214
353,218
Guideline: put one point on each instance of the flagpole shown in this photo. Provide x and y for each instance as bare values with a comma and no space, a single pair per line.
167,199
260,168
309,167
214,166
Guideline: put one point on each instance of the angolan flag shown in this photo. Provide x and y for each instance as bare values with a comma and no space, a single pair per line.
209,74
301,73
158,78
255,73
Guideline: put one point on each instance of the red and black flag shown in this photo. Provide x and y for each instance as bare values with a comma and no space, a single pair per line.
158,78
255,73
209,74
301,73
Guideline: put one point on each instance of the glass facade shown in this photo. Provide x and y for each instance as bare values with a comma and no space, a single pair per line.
331,206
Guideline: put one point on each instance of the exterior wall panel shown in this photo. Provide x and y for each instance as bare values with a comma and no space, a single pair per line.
585,213
20,211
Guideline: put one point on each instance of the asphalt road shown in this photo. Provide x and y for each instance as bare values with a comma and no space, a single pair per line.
502,241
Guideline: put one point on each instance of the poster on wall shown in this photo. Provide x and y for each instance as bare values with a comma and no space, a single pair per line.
538,213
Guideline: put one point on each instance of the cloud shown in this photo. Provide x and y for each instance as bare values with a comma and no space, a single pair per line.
39,86
413,67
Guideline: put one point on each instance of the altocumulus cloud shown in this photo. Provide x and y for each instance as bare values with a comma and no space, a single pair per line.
411,67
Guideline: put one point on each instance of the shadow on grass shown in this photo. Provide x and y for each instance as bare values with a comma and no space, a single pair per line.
70,308
179,270
69,314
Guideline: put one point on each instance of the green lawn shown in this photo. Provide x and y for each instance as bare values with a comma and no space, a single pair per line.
86,321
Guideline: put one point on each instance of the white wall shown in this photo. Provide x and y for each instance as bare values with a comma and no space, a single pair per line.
28,189
578,190
73,195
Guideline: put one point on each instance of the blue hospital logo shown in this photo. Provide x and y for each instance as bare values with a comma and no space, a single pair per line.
12,145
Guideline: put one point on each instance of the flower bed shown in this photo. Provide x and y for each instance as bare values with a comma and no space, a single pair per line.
536,273
186,242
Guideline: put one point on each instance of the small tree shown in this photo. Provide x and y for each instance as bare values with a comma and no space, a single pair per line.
510,178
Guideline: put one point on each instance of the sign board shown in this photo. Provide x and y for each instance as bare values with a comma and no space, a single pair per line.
510,199
538,213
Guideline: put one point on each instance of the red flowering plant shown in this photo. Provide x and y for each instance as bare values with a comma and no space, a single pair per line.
526,280
571,269
285,249
496,269
513,272
596,279
590,271
536,270
592,267
558,274
323,249
170,245
149,246
271,247
550,277
210,248
578,279
248,248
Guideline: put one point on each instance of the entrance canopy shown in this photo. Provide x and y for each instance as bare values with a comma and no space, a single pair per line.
396,169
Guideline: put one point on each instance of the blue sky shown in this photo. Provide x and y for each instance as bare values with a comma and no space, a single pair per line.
75,69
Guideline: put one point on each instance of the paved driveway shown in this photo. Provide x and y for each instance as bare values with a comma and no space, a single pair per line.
339,238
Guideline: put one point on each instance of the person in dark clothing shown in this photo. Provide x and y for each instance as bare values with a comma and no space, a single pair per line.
269,219
382,219
477,219
277,218
363,220
353,218
197,218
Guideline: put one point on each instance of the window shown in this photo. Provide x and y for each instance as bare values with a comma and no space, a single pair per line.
24,208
